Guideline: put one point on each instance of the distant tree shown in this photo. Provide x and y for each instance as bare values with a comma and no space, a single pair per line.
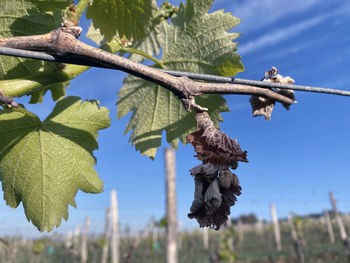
246,219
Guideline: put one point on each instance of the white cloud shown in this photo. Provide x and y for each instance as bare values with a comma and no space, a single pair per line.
256,14
271,38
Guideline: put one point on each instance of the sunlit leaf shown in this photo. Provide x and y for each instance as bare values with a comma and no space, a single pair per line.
44,164
129,18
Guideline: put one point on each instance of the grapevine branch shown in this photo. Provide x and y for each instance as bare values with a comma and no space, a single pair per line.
206,77
63,43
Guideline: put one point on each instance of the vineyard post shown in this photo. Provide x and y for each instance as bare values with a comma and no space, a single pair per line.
206,237
343,234
170,168
296,240
84,251
14,250
259,226
107,236
76,240
329,226
347,219
68,242
154,235
115,227
147,229
138,238
240,230
230,239
276,227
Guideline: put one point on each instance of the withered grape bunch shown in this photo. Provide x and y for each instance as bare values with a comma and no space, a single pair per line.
216,187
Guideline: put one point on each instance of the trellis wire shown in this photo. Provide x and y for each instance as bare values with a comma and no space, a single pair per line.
85,62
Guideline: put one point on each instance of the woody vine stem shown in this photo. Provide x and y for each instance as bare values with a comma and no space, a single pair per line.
64,42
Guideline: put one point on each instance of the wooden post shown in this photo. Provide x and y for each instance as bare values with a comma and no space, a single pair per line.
84,251
343,234
137,240
107,236
146,230
276,227
115,227
240,230
296,241
76,241
68,242
205,237
347,219
329,226
171,255
230,239
154,235
260,227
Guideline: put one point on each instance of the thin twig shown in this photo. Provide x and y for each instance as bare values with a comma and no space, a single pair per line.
206,77
65,44
143,54
7,101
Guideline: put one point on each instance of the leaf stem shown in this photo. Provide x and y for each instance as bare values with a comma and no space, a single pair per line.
144,54
20,87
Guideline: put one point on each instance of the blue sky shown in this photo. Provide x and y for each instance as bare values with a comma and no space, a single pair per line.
295,159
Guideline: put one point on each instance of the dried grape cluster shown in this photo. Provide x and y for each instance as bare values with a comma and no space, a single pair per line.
262,106
216,187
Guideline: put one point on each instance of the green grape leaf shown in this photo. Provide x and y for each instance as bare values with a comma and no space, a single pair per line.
150,44
95,35
51,5
195,41
58,91
27,17
129,18
44,163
